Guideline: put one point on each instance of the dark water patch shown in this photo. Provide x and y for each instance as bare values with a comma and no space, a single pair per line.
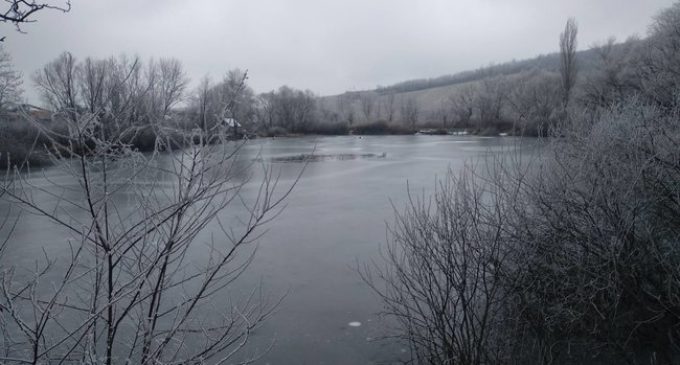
304,157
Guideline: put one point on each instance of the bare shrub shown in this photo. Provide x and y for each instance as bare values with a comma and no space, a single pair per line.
130,287
443,277
655,63
463,104
534,101
294,110
598,265
572,258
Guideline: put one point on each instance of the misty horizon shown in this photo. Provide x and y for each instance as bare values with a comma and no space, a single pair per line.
330,48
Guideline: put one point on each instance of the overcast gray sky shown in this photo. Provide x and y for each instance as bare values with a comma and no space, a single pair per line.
327,46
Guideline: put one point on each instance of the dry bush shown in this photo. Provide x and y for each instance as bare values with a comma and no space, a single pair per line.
598,266
443,274
571,258
130,286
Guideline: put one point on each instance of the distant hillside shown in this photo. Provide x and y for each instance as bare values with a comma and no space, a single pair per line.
549,62
433,96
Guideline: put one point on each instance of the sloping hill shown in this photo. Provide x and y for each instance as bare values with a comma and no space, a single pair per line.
433,97
549,62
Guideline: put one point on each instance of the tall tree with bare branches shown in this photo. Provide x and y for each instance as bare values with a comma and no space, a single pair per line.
568,63
10,81
129,289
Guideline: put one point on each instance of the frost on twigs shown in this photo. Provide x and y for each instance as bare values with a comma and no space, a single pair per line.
135,280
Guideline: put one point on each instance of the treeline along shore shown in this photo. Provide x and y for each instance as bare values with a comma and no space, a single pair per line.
140,97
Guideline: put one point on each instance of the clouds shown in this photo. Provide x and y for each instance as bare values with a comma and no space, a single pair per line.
326,46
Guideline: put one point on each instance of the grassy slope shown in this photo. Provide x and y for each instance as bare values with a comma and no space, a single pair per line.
433,94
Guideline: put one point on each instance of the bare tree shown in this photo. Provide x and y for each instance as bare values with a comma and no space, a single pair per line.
654,64
463,104
613,77
211,103
409,111
568,62
267,107
491,99
367,101
443,115
127,93
128,291
171,84
388,106
204,106
57,83
234,87
294,109
94,84
534,101
345,103
326,111
10,81
121,91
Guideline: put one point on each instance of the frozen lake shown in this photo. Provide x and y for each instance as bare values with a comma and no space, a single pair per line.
335,220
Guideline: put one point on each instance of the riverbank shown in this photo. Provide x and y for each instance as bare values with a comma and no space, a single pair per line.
23,144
